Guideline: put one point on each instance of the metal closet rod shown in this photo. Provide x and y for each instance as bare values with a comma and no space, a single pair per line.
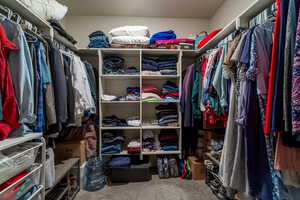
240,22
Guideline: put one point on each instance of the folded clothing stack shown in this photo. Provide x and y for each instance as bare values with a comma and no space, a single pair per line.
176,41
112,143
170,91
134,121
160,65
106,97
163,35
148,141
133,94
98,40
131,71
167,114
111,121
119,162
134,146
130,35
150,93
168,140
113,65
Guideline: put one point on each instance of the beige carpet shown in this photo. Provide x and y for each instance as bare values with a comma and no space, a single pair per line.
156,189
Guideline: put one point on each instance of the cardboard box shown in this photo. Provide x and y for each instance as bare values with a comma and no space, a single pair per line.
197,168
74,149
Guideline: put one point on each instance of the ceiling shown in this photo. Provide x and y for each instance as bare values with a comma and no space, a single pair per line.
144,8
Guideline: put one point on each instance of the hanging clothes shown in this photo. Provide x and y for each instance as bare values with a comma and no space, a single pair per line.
277,108
82,92
295,85
22,71
60,88
9,109
273,69
43,78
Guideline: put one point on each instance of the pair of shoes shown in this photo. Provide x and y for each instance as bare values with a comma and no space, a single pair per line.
167,167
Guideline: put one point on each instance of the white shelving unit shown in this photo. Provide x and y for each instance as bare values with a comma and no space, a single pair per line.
117,85
37,169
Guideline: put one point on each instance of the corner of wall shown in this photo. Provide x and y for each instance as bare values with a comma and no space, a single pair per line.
228,11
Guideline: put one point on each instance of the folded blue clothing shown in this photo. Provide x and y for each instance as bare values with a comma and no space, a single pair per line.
99,45
169,87
99,38
174,67
120,161
169,147
163,35
148,67
168,99
153,63
112,149
169,62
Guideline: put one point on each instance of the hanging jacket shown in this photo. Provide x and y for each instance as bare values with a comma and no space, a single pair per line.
10,119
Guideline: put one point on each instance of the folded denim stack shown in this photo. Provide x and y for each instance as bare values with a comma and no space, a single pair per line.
170,91
133,94
133,147
163,35
112,143
149,64
98,40
167,114
113,65
119,162
112,121
131,71
130,35
168,140
167,64
160,65
148,141
150,93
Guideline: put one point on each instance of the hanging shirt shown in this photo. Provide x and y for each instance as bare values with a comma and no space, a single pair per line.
82,91
273,69
277,108
22,72
295,85
43,78
9,102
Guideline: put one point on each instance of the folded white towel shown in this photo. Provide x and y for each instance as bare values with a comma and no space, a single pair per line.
142,31
130,40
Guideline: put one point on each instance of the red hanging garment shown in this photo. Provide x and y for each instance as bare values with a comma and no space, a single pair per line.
272,74
10,120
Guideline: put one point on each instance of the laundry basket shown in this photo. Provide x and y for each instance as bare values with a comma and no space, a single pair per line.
16,159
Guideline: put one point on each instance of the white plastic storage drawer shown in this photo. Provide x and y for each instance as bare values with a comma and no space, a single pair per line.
23,185
16,159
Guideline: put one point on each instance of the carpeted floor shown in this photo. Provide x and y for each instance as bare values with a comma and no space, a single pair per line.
156,189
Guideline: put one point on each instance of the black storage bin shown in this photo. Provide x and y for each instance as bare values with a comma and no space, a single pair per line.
134,173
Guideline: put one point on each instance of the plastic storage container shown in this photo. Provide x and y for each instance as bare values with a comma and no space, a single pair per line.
22,186
16,159
134,173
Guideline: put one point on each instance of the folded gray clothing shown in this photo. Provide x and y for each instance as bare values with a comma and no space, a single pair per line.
165,122
106,140
168,117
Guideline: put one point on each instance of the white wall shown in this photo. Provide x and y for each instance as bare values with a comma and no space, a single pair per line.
227,12
81,26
